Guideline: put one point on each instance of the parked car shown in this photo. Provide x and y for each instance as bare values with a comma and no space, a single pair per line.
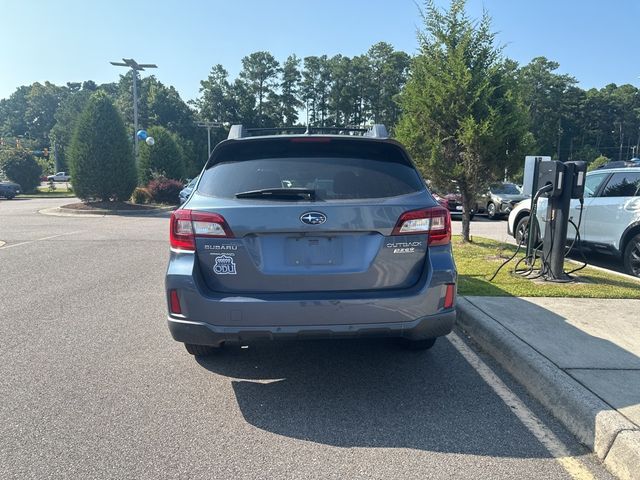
9,190
59,177
453,202
500,199
188,188
610,220
309,236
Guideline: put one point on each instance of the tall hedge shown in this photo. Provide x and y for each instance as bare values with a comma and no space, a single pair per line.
100,157
19,166
598,162
163,157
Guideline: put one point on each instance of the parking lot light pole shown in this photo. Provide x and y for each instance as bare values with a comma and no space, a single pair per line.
209,126
135,68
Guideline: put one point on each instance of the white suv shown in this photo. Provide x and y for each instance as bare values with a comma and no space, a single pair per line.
610,219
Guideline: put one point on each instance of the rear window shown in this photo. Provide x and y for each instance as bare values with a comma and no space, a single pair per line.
622,184
331,177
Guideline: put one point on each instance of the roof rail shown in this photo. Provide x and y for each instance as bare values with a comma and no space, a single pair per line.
236,131
620,164
375,131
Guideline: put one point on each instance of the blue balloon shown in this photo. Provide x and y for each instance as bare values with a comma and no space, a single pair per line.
142,134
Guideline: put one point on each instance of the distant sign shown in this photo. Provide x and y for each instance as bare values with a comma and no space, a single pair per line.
530,173
531,158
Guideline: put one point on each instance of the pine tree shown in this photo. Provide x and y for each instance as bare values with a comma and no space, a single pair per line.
289,100
163,157
259,74
19,166
460,115
100,157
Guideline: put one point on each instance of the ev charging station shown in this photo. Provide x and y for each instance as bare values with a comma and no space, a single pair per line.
559,182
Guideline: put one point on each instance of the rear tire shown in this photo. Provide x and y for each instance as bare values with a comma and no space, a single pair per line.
422,344
201,350
631,256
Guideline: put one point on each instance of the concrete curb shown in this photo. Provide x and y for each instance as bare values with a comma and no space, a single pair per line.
70,212
611,436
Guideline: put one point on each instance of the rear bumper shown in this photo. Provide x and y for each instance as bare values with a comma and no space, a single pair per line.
200,333
209,318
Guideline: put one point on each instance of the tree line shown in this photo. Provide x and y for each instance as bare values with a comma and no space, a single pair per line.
320,91
330,91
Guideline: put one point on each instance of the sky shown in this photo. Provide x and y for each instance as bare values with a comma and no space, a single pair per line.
70,40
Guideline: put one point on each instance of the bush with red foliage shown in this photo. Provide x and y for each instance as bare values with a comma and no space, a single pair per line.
165,190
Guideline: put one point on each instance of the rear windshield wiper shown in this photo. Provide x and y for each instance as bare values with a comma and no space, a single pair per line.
278,193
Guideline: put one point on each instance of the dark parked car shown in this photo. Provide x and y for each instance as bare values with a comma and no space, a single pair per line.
188,188
309,235
9,189
453,202
500,199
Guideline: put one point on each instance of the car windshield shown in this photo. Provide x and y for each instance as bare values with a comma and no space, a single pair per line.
328,178
505,189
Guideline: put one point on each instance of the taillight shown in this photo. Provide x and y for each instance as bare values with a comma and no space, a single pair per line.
181,231
434,221
186,225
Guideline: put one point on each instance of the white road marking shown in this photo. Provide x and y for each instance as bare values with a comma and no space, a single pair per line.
574,467
38,240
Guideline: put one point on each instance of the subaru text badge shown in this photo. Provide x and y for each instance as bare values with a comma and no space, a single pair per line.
313,218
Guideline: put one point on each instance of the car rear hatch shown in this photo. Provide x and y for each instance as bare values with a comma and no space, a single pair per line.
311,214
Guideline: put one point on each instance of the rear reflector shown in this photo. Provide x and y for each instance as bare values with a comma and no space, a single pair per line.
186,225
174,302
449,295
434,221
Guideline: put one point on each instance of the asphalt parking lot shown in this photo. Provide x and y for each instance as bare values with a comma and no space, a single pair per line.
481,226
92,385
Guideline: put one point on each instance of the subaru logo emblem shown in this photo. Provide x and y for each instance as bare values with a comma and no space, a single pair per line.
313,218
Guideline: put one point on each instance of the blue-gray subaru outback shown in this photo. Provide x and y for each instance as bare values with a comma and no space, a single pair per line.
309,235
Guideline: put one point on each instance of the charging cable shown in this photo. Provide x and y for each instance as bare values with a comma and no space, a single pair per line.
531,229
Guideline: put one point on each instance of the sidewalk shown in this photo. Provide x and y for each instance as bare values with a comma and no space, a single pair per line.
579,357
